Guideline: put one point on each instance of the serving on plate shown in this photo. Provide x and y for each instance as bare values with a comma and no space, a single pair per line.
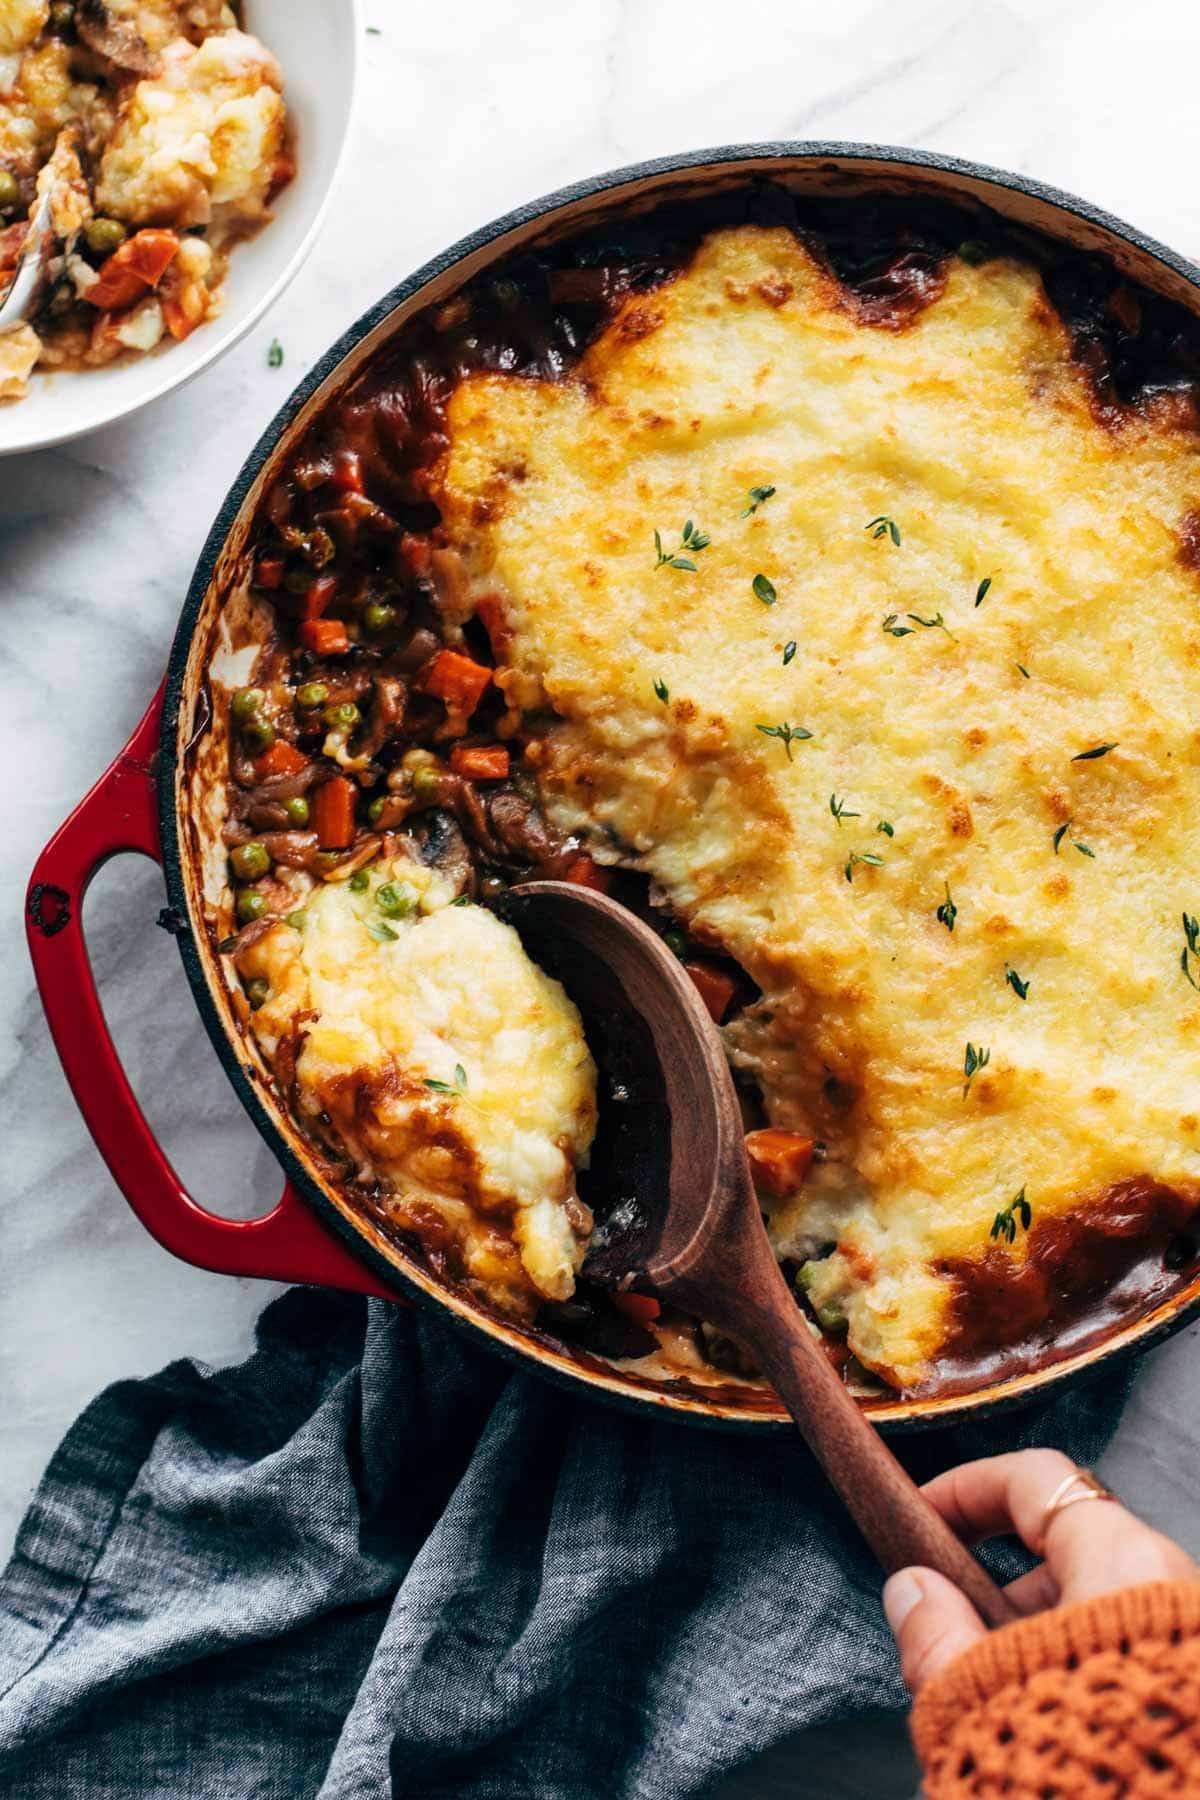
762,548
157,136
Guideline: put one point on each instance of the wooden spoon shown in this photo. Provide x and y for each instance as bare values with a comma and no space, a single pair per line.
685,1223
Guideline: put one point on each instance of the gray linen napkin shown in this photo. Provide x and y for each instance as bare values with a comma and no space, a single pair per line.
374,1560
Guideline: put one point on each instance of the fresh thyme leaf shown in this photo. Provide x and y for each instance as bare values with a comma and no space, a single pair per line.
787,735
1004,1225
438,1087
661,689
1059,835
894,630
380,932
463,900
936,623
866,856
757,497
1024,671
789,650
275,354
1083,849
1191,946
838,809
947,912
374,31
981,590
976,1058
883,526
1020,988
1092,754
460,1078
764,590
691,539
887,828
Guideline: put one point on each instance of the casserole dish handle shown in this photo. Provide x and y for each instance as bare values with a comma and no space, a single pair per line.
119,816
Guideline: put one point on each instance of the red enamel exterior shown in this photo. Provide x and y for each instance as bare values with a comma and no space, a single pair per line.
120,816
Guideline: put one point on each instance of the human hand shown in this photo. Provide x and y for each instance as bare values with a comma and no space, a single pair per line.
1089,1549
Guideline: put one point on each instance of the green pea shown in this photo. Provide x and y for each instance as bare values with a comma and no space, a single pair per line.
359,882
375,810
396,900
831,1317
297,810
10,188
379,617
259,734
245,704
296,920
249,861
258,992
312,695
250,905
104,236
342,718
426,782
676,942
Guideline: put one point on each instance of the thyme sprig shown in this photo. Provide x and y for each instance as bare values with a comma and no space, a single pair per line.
1191,947
1020,988
855,857
690,539
661,690
758,495
444,1087
838,809
787,735
976,1058
1004,1225
1061,833
947,912
884,526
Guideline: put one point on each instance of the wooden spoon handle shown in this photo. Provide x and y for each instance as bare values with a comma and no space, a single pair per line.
890,1510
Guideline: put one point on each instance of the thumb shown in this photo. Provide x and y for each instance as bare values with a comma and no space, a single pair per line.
931,1622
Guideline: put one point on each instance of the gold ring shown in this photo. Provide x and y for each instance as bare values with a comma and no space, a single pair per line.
1080,1484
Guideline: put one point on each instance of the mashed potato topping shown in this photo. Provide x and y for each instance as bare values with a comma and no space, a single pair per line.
914,736
204,133
448,1065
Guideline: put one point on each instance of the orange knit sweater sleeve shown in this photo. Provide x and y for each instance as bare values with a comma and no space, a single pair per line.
1100,1699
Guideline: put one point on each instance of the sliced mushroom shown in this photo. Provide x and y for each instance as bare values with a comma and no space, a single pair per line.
114,38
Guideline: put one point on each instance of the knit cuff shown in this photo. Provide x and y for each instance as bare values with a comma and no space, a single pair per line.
1059,1639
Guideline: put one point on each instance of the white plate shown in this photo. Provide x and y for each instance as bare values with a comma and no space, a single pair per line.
317,44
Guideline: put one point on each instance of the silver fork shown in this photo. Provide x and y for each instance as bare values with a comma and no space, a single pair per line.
25,287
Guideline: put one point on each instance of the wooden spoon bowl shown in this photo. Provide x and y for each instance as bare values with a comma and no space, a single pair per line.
683,1221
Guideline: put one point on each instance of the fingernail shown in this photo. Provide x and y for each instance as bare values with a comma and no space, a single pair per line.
900,1594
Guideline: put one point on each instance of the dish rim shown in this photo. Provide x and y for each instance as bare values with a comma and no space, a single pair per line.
901,1414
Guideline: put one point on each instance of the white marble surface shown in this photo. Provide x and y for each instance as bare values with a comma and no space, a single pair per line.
466,109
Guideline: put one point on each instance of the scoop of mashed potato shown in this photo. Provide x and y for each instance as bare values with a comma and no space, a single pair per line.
19,350
198,140
448,1064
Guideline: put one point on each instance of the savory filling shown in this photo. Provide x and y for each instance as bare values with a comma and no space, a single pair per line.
155,131
825,585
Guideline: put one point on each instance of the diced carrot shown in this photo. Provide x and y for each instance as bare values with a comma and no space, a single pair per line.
641,1307
184,305
132,270
481,762
416,553
585,871
317,596
489,610
269,572
333,813
347,471
281,759
779,1160
714,987
458,680
324,637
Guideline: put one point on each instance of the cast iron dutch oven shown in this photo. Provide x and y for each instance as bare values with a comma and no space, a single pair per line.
145,803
